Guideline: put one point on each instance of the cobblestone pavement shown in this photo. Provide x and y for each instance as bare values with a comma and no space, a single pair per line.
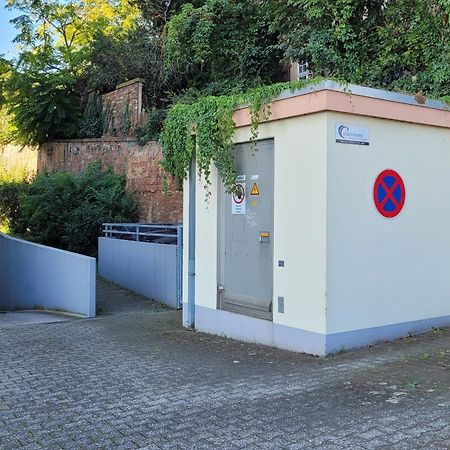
111,299
136,379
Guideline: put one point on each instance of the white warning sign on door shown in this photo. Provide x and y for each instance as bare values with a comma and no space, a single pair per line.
238,199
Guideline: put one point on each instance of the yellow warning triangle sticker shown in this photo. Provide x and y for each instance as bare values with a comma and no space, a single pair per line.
255,190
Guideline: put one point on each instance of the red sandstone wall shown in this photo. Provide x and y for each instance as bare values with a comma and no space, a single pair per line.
128,93
140,164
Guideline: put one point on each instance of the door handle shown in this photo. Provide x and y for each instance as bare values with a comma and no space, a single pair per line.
264,237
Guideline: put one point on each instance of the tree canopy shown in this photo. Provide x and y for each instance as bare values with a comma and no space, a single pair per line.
393,44
188,50
43,88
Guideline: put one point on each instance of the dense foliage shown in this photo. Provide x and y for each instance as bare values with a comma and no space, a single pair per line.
43,107
12,182
64,210
393,44
398,45
206,127
199,57
223,46
45,87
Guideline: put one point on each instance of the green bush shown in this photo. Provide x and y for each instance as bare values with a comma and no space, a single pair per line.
12,182
101,198
67,211
10,215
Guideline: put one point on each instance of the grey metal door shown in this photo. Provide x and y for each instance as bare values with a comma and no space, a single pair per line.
246,222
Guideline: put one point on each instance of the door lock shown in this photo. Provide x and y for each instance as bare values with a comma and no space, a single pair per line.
220,289
264,237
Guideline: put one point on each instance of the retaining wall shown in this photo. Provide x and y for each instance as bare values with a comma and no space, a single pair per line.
149,269
140,164
34,276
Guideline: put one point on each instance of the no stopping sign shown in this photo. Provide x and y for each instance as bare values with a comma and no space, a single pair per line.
389,193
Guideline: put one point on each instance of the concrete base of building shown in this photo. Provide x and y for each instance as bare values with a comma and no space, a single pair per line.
259,331
368,336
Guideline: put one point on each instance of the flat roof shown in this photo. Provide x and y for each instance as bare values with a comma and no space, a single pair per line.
330,95
354,89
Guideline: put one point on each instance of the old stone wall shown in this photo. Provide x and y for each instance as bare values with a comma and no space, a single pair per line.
124,108
140,165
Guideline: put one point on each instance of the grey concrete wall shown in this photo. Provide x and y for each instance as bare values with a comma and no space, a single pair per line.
36,276
146,268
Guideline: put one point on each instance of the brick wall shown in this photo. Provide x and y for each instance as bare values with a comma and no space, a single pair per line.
128,94
140,164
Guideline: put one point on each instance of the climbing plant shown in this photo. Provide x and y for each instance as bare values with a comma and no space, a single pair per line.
91,125
125,124
205,127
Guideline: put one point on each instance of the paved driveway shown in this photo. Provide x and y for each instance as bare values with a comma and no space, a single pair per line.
133,378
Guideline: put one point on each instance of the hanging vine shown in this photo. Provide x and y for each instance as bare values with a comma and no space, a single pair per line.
206,128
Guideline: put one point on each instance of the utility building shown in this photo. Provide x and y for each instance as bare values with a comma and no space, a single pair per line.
338,233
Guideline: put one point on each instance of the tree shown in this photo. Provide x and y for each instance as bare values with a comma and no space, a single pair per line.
7,129
43,107
220,47
116,59
44,88
413,51
185,50
61,32
158,12
393,44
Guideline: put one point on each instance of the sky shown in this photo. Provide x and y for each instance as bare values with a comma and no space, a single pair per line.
7,31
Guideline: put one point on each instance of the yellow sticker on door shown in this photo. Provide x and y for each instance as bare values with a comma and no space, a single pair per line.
255,190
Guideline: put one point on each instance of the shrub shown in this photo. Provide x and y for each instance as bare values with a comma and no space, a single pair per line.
67,211
101,198
12,183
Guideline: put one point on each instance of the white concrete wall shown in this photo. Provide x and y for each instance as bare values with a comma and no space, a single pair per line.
185,249
206,242
36,276
387,271
351,276
299,225
206,263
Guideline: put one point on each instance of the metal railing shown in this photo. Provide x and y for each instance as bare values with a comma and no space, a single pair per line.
154,233
160,233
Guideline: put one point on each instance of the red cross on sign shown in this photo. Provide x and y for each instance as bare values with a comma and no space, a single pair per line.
389,193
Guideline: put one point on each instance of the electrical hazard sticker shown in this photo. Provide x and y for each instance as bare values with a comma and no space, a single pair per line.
255,190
